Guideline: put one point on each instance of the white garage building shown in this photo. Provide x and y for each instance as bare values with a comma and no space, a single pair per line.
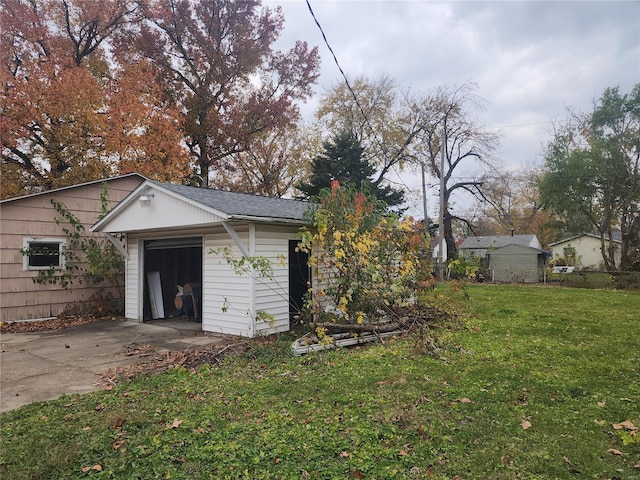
171,234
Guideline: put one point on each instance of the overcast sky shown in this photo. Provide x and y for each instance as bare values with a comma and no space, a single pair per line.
529,59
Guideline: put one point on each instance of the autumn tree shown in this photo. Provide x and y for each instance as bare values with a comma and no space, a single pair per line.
61,107
144,131
342,159
510,202
378,115
218,66
592,173
369,265
51,94
273,164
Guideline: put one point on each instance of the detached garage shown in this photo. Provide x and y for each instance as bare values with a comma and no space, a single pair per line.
174,236
517,264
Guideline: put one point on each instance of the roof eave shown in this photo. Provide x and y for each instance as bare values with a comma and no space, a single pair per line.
104,221
77,185
253,218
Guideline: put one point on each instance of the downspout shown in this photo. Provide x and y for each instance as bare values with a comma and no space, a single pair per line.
252,290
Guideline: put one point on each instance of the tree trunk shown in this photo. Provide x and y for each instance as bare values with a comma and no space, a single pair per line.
452,251
359,328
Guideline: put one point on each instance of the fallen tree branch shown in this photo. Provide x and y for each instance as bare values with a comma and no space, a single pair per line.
360,328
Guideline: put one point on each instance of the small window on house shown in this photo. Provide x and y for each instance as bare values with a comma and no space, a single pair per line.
42,254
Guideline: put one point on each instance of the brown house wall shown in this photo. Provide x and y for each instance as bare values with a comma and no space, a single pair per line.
33,217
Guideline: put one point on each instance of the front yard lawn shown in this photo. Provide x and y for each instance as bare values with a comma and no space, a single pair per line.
538,383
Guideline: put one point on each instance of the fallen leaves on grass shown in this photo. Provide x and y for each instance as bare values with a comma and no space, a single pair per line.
627,425
175,424
614,451
525,424
118,444
461,400
118,425
97,467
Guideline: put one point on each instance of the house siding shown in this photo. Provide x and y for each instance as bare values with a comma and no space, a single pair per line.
33,217
226,305
588,254
133,287
272,296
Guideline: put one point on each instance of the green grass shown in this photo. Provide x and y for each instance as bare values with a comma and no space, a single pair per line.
565,360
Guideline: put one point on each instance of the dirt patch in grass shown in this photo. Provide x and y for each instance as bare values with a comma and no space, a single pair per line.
158,363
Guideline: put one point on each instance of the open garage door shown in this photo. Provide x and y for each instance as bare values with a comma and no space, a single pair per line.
173,279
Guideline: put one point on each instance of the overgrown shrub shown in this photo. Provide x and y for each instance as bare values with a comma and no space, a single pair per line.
368,263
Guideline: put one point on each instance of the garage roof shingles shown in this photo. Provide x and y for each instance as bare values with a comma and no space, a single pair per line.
242,204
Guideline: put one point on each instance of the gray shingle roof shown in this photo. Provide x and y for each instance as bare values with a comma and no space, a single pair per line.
242,204
497,241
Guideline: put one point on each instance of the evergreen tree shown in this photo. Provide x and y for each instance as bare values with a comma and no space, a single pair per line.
343,159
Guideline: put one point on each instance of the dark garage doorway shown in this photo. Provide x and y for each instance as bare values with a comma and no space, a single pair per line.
178,262
299,281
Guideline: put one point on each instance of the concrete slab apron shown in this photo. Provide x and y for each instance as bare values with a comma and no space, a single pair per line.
44,366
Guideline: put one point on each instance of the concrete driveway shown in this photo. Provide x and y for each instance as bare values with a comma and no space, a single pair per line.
46,365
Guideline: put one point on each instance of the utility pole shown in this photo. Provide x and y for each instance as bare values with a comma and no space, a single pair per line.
425,204
441,257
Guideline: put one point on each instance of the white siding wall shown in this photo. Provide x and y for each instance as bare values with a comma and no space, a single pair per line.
587,251
229,301
133,268
164,211
273,296
224,290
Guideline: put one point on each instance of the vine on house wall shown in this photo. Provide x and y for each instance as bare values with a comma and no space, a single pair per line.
87,260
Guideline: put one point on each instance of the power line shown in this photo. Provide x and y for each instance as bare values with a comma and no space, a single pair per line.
346,80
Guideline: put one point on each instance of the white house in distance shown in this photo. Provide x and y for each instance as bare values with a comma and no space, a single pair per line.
171,235
587,250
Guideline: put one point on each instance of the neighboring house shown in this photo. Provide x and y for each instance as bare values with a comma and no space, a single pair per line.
508,258
479,247
28,222
587,250
174,236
